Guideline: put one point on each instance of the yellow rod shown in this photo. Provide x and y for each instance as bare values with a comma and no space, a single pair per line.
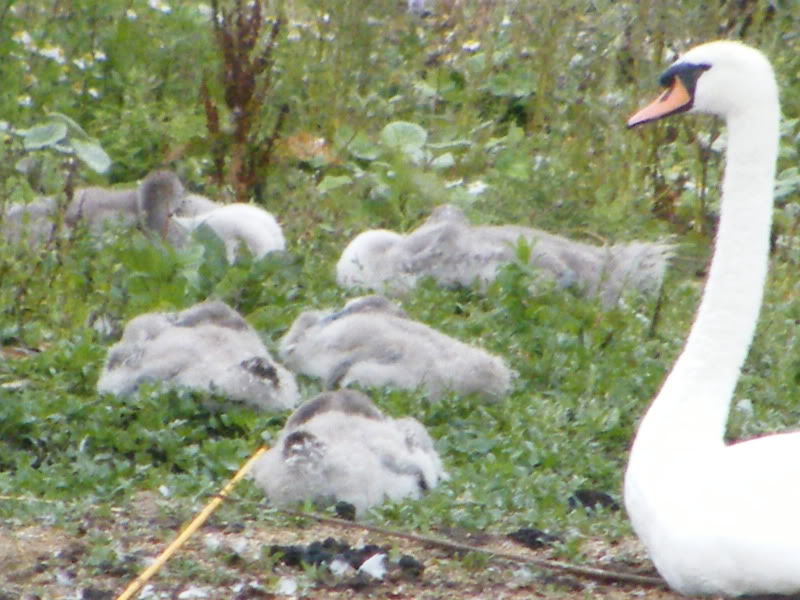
137,583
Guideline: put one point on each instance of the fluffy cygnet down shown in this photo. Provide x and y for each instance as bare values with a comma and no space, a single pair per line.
372,342
208,347
33,223
160,206
147,206
339,446
236,224
457,253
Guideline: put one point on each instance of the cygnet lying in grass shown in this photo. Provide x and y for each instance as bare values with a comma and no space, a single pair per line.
208,347
373,343
159,206
237,224
33,223
149,206
339,446
456,253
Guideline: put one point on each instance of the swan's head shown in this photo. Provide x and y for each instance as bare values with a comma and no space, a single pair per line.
720,78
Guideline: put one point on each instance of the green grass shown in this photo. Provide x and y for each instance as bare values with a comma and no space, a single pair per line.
531,101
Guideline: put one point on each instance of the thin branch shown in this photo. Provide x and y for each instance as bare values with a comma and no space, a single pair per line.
542,563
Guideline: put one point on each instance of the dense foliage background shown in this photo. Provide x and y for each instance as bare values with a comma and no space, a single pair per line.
522,108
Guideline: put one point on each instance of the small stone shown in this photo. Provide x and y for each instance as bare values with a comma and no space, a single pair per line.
345,510
592,499
93,593
532,538
193,593
340,567
374,566
290,555
212,541
410,566
287,586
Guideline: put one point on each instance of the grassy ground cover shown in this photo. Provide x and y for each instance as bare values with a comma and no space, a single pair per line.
521,106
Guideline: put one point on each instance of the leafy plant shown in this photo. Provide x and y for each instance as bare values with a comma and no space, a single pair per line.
64,135
247,74
515,111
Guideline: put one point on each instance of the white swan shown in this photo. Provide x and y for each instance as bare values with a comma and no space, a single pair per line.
236,224
340,446
717,519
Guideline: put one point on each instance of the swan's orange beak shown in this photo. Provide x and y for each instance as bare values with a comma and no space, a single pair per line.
673,100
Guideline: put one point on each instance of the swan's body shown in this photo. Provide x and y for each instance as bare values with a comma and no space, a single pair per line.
717,519
237,224
372,342
339,447
208,347
456,253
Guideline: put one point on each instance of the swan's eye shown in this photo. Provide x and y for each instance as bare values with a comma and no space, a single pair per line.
688,73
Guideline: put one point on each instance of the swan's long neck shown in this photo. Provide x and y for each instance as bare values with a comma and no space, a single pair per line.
691,410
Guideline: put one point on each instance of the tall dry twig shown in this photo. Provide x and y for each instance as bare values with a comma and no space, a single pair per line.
247,48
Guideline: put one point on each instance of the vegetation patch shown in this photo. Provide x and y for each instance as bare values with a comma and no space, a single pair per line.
354,116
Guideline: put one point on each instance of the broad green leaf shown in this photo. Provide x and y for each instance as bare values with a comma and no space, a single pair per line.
417,155
519,170
425,90
510,84
443,161
331,182
404,136
362,147
92,154
27,164
787,182
44,135
452,145
71,124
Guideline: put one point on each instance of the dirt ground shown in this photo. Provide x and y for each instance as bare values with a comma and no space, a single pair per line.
228,560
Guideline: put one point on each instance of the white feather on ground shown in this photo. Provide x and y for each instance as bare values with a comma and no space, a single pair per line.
208,347
339,446
457,253
372,342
